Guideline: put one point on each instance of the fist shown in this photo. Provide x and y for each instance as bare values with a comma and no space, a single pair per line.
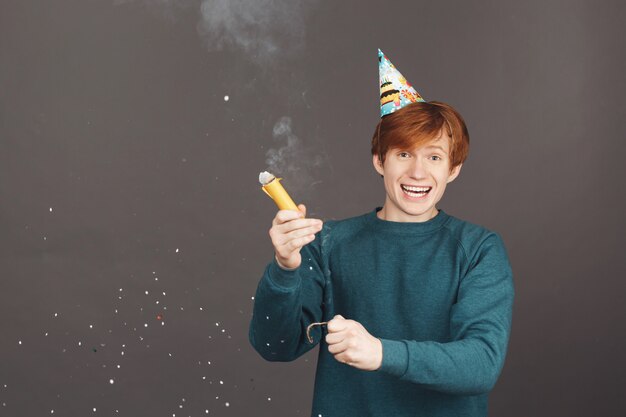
289,233
350,343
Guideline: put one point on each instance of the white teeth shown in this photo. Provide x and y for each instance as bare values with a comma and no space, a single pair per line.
416,189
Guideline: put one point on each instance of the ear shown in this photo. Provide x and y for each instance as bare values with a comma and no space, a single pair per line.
454,173
378,165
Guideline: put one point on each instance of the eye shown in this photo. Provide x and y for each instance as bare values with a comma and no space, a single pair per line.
404,155
436,158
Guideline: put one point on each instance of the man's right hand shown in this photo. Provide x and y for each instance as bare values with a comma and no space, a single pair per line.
290,231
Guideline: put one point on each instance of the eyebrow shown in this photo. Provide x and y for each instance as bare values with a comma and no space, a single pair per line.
435,147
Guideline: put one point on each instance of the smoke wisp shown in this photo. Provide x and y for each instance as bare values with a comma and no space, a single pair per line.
264,30
291,158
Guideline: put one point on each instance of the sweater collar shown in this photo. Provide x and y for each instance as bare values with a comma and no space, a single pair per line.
407,227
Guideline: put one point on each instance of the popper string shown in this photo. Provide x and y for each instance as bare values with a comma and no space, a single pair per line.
310,326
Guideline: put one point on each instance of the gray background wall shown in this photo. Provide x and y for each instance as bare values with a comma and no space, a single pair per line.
133,231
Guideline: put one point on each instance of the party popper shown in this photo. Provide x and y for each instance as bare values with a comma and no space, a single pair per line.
273,188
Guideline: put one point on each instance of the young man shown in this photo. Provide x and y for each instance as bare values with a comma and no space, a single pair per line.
418,302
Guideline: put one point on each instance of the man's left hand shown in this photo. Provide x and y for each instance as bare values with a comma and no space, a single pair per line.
351,344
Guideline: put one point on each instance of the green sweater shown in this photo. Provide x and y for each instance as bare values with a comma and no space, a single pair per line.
438,294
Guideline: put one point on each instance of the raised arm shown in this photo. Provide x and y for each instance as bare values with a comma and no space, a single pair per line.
290,293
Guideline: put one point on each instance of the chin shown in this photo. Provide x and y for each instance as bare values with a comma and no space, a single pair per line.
416,209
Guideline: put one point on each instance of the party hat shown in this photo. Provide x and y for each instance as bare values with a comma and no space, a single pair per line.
395,91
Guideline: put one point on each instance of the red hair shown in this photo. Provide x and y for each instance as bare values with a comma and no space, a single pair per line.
419,123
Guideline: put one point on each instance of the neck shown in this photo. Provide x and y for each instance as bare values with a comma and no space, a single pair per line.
389,215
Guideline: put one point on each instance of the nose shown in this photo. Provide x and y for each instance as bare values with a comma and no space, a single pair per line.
417,168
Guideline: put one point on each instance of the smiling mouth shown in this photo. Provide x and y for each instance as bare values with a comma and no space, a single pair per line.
415,192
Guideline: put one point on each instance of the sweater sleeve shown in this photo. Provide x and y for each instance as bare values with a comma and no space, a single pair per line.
286,302
480,323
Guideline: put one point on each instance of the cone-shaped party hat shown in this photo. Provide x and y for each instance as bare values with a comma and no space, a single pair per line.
395,91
